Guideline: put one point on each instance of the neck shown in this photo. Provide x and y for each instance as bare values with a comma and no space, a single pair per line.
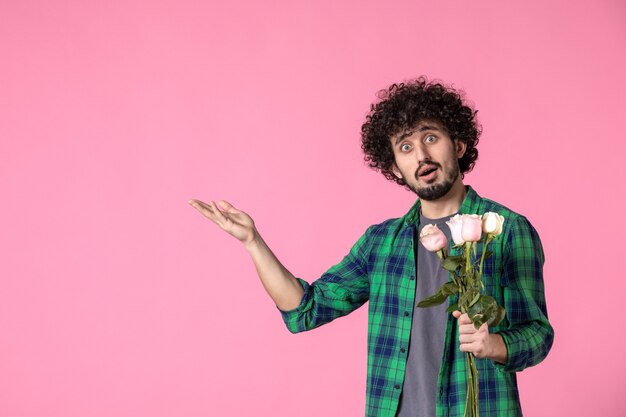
446,205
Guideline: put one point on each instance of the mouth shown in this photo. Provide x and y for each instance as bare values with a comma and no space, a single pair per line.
426,171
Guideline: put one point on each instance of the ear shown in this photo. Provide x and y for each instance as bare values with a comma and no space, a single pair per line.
461,147
396,171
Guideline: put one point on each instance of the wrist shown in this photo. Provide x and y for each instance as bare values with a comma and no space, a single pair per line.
254,242
499,352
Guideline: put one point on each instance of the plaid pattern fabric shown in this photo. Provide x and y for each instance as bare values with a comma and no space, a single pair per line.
381,268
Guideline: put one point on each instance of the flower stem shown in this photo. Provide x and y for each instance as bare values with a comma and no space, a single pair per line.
471,400
482,256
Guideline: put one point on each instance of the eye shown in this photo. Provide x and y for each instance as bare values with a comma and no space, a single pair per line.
405,147
430,138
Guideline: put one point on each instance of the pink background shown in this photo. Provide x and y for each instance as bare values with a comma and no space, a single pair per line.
118,299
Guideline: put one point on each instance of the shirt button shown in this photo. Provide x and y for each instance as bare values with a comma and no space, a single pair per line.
406,314
402,350
412,277
396,386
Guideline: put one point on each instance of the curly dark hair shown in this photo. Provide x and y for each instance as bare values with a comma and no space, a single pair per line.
402,106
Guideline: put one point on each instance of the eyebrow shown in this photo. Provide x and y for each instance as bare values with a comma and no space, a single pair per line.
408,133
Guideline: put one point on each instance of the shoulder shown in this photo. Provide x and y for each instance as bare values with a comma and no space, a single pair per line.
487,205
387,226
397,225
512,219
516,226
389,232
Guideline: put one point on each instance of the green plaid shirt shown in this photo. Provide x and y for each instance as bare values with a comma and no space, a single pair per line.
381,268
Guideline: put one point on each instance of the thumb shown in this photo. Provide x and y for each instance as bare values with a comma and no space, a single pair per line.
456,314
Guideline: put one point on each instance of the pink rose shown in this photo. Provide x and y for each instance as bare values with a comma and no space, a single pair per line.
472,227
455,224
433,238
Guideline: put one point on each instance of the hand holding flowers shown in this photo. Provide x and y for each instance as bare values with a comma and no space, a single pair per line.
479,341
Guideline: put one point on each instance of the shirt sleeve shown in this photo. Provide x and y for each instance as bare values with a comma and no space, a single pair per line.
339,291
529,336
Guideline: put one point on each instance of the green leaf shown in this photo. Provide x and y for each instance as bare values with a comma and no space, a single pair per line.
468,296
449,288
453,307
488,254
440,296
434,300
451,263
498,316
475,299
478,320
486,310
484,303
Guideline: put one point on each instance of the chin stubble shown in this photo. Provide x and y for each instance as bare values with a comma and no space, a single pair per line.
436,191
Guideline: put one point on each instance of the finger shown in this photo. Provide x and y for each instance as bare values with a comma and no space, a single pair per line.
209,210
198,204
465,347
464,319
202,207
219,214
456,314
206,210
226,206
467,329
470,347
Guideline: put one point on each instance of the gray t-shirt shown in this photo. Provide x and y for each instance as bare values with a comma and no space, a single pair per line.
427,332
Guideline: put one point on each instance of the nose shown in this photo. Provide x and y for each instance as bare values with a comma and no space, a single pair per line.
421,153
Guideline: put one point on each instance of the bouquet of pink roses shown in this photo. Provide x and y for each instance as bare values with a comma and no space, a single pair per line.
466,272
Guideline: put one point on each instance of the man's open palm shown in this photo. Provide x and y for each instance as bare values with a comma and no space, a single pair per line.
233,221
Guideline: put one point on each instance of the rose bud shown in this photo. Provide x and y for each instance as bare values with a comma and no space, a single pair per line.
455,224
433,238
492,223
472,228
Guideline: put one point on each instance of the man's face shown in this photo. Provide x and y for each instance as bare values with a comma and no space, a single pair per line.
427,159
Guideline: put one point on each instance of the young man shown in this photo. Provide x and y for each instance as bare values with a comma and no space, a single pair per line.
422,136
